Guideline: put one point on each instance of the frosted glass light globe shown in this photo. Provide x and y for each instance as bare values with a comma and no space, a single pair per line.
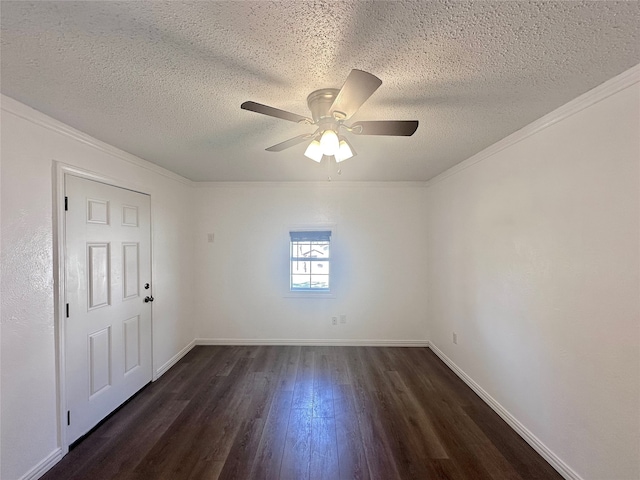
329,143
344,152
314,151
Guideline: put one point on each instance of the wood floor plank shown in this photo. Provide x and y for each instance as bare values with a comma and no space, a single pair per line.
228,362
324,451
297,452
268,458
519,454
416,422
410,463
292,412
212,438
340,374
290,368
207,470
406,435
303,390
380,458
177,444
239,461
322,386
352,459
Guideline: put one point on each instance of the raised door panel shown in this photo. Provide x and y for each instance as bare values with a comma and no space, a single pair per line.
131,343
99,360
130,270
97,211
99,285
129,216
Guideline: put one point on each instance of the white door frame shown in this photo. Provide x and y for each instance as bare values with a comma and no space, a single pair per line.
61,170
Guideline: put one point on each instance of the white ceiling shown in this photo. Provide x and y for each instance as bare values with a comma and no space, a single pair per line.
165,80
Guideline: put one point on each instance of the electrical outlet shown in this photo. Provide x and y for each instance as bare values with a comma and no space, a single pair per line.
210,237
343,319
455,338
334,320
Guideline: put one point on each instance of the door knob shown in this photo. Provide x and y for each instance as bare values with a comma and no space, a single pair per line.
148,299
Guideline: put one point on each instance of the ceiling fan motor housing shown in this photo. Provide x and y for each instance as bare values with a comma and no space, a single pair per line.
320,102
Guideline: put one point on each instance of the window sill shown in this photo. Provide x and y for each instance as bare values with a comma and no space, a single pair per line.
309,295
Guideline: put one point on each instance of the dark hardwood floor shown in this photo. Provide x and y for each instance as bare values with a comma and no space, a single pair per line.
305,413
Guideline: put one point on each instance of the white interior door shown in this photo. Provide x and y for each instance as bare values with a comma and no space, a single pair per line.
108,277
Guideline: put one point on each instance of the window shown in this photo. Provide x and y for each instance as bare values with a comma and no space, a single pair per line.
310,261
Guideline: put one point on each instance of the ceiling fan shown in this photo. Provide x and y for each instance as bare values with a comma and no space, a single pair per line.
330,108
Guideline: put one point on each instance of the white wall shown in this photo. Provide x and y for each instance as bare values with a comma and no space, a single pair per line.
30,143
533,257
378,262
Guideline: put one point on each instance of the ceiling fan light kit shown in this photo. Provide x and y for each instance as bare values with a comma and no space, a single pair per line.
315,151
330,108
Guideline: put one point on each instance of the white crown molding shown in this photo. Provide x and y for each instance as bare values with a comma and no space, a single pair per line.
25,112
311,342
593,96
310,184
555,461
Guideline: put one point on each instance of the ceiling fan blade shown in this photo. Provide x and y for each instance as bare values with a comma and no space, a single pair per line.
289,143
274,112
356,89
401,128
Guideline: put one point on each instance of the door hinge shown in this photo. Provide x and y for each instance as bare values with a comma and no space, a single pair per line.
67,310
68,417
66,203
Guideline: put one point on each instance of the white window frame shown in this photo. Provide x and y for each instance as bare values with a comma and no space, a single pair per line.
331,293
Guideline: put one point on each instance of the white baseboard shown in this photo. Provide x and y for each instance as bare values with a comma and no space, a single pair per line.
173,360
44,465
311,342
544,451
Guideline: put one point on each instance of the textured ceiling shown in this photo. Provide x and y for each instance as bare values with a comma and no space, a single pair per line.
165,80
